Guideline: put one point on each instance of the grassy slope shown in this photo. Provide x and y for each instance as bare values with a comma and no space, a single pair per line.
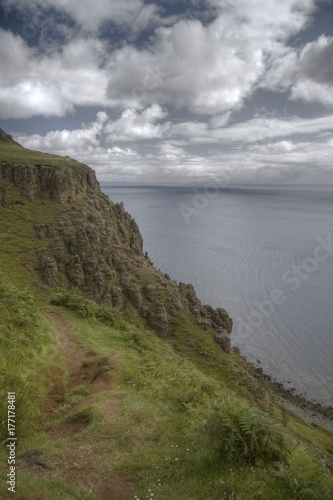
135,428
11,152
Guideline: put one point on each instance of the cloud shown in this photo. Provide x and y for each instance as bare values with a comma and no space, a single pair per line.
22,92
316,60
133,125
61,141
91,15
315,72
171,160
256,129
32,97
32,84
212,68
187,66
207,69
306,72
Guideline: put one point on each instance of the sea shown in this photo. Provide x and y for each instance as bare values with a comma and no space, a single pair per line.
265,254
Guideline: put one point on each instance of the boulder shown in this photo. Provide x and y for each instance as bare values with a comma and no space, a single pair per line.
222,338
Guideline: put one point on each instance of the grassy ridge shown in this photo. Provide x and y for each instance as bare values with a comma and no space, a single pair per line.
11,152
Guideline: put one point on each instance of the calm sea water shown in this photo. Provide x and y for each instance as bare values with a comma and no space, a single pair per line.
264,255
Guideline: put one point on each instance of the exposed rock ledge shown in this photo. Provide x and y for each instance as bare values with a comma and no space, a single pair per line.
96,246
59,184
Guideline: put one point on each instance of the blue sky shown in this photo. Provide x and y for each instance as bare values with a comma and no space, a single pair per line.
173,91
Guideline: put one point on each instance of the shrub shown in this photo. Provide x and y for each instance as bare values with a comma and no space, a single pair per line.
302,476
241,432
73,300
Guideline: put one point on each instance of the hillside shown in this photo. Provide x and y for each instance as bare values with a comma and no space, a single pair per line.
126,385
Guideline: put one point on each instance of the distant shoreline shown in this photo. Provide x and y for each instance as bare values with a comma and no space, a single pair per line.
312,412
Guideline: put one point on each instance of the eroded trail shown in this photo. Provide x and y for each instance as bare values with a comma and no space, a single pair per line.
79,463
74,354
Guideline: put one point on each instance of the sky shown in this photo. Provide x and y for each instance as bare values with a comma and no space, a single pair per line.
173,91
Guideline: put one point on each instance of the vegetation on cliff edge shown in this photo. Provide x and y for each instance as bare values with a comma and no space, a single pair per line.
107,409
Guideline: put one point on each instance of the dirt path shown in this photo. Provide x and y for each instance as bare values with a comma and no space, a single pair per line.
73,353
78,463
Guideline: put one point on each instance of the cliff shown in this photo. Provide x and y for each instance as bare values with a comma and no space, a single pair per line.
95,245
105,407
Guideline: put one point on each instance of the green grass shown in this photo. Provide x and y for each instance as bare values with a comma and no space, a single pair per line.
17,234
159,423
14,153
28,352
177,417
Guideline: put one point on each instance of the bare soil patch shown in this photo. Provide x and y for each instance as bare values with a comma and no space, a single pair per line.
79,467
73,353
69,428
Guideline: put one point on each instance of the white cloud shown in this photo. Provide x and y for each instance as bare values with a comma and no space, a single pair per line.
281,67
206,69
85,145
307,72
311,92
150,124
170,160
273,20
256,129
188,66
212,69
31,84
32,97
171,151
137,126
61,141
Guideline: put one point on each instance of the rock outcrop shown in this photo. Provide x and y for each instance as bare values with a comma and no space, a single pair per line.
96,246
59,184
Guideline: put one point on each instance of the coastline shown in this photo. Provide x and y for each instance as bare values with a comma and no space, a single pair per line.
311,412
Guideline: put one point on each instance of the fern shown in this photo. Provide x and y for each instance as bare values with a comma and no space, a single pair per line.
302,475
242,433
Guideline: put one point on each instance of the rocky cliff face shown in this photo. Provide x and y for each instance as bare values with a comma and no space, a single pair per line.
96,246
58,184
